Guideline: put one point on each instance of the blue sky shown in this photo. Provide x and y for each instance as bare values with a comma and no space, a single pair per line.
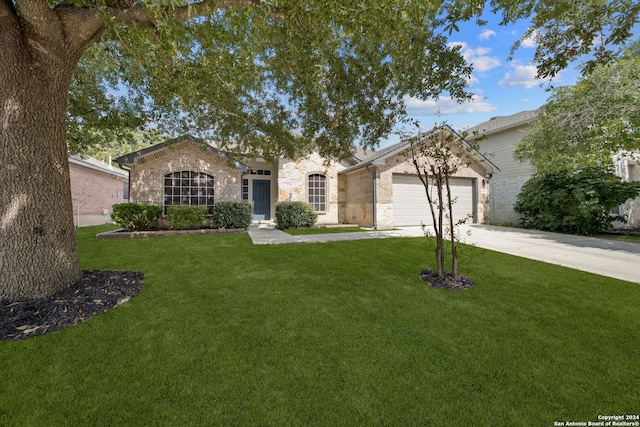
501,87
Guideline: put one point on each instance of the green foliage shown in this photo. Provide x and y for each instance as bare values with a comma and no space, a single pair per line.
226,74
295,215
577,201
585,123
185,217
567,31
230,214
136,216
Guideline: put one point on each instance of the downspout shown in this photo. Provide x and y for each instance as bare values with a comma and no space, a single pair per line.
375,202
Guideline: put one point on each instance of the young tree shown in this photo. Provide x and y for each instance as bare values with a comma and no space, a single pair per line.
437,156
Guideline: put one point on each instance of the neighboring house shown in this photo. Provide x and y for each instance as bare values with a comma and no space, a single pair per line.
380,190
628,168
500,137
95,187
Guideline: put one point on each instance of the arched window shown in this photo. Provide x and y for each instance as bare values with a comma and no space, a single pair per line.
317,192
188,188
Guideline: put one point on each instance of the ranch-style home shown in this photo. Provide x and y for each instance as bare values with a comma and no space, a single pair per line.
379,190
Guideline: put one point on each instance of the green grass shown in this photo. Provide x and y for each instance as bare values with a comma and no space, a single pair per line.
228,333
322,230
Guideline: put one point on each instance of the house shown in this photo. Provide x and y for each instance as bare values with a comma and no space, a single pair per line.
379,190
500,136
95,187
497,139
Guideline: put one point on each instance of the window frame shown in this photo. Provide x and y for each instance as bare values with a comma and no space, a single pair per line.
320,191
187,186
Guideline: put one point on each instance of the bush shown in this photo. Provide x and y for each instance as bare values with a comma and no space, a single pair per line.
136,216
577,201
294,215
231,214
185,217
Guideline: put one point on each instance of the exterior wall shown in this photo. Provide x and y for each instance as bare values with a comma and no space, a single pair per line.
293,180
147,175
358,197
628,168
359,192
399,164
94,192
506,184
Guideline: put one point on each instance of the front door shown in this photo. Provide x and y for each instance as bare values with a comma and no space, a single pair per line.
261,199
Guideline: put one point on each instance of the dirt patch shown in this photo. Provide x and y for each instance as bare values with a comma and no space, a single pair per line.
96,292
448,281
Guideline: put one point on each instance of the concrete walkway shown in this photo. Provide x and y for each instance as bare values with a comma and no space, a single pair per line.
620,260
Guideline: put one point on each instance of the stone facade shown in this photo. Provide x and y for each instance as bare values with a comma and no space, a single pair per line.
95,188
147,173
293,182
358,201
349,189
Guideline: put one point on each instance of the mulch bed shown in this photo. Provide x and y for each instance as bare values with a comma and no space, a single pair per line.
96,292
449,281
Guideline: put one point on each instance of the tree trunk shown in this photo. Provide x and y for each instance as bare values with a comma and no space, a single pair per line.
38,252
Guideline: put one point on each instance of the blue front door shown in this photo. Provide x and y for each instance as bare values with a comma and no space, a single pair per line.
261,199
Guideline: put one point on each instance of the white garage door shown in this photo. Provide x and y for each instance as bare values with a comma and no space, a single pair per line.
410,205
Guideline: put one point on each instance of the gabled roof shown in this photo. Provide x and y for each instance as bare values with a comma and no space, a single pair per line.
380,157
97,165
130,159
501,123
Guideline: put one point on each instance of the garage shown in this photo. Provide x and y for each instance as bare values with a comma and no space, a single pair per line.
410,206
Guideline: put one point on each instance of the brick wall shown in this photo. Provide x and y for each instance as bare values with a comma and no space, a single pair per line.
93,192
147,175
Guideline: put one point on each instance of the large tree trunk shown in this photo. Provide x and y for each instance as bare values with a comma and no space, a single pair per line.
38,252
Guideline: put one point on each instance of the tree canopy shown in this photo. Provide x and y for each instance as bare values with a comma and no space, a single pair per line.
270,77
585,124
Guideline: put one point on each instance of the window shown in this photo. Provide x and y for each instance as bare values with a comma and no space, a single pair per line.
188,188
245,189
317,192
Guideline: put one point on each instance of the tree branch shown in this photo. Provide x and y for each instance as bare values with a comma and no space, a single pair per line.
138,15
38,14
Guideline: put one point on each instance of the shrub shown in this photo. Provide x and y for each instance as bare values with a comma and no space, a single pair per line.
228,214
577,201
136,216
294,215
184,217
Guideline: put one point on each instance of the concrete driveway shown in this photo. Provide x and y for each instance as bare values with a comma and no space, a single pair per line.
620,260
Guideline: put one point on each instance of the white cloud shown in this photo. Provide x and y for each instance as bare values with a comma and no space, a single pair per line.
479,57
486,34
445,106
530,41
523,76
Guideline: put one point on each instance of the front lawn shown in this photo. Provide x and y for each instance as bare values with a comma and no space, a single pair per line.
228,333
